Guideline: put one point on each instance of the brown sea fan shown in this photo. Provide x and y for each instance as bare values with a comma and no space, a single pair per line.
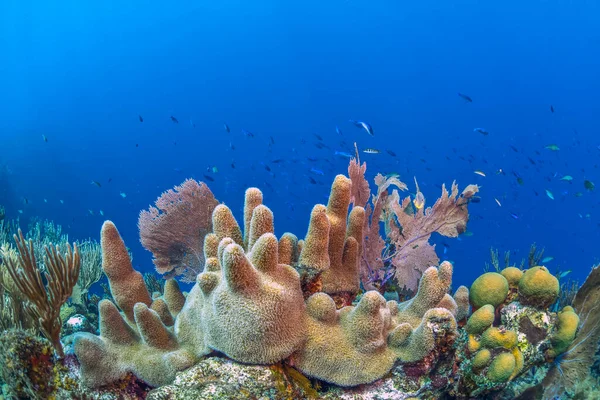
174,230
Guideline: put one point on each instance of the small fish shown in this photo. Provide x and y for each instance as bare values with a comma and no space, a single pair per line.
267,168
208,178
20,211
480,173
500,171
96,183
317,171
62,201
140,118
551,108
318,137
91,212
513,148
312,180
277,161
419,200
123,195
547,259
519,179
552,147
45,138
272,140
567,178
364,125
231,146
192,124
371,151
465,97
578,194
45,200
549,194
391,153
338,130
482,131
564,274
174,119
498,202
247,133
468,234
214,170
25,200
226,127
589,185
101,212
232,165
343,154
515,216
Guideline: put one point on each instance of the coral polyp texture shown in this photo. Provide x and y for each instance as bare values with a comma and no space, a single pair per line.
292,313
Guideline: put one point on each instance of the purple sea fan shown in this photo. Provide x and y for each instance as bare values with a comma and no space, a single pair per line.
174,230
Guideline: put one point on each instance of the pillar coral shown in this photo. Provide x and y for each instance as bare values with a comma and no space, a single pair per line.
248,303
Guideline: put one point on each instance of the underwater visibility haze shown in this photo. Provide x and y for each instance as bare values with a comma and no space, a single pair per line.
467,136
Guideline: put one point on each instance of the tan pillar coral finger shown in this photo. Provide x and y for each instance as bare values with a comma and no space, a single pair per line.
126,284
261,223
315,247
433,287
252,199
288,249
225,225
253,313
345,239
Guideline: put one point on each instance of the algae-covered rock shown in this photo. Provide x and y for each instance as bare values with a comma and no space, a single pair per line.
219,379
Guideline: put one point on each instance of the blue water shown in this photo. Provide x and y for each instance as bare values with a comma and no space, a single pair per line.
80,73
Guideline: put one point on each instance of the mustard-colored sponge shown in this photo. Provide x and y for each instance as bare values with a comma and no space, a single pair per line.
495,337
512,275
567,322
481,359
481,320
538,287
501,368
489,288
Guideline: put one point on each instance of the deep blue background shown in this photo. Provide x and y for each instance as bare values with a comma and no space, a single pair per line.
80,73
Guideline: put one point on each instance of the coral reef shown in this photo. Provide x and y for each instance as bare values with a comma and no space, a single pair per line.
250,307
288,319
513,331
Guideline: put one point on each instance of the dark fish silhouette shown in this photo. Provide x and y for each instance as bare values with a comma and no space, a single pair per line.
466,98
142,119
226,127
209,178
174,119
551,108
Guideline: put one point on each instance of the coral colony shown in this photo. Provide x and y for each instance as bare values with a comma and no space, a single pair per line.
289,318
